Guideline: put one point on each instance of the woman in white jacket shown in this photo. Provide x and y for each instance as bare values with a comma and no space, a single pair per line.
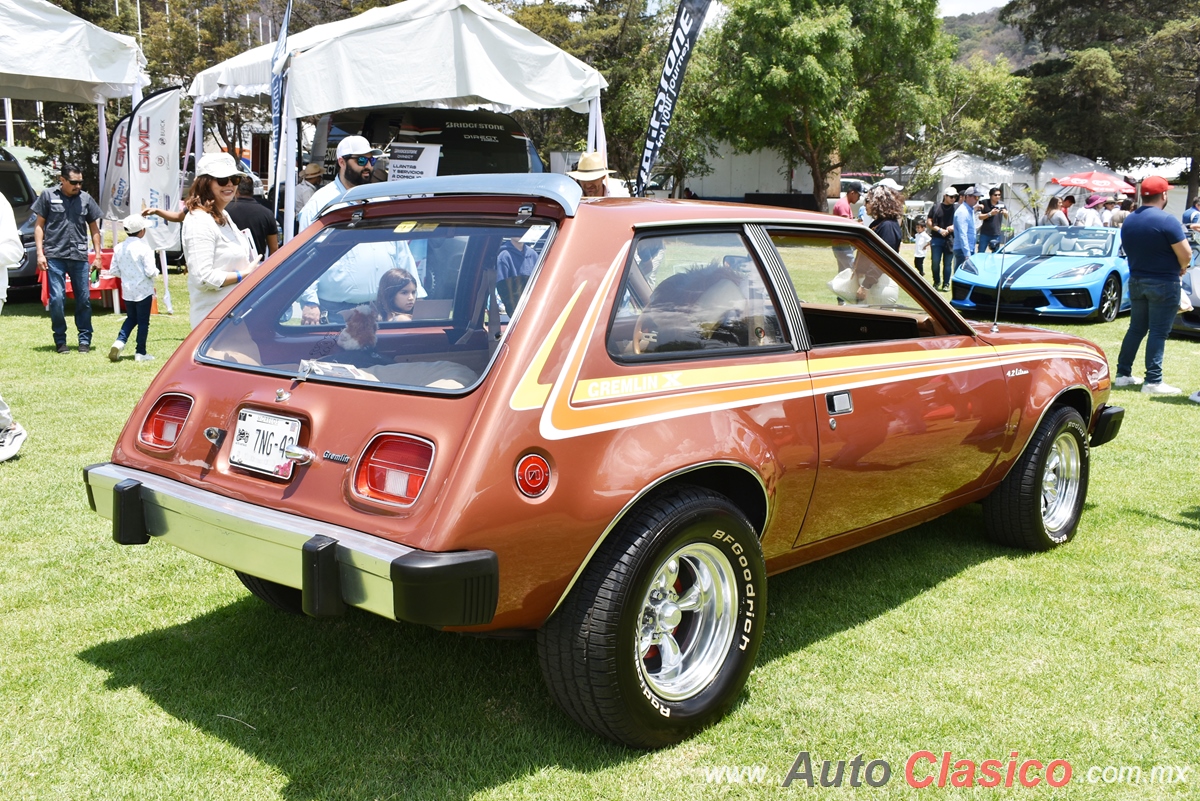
218,255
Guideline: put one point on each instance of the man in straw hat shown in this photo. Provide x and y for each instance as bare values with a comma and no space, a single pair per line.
592,175
313,174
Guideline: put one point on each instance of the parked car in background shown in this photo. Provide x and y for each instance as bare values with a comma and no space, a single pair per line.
19,192
1048,270
609,424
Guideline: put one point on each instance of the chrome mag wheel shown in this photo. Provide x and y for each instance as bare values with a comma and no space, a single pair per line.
1061,483
686,622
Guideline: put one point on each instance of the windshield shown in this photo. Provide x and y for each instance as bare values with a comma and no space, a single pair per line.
1062,241
414,303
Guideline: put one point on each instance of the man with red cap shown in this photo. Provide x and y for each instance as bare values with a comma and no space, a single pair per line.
1158,255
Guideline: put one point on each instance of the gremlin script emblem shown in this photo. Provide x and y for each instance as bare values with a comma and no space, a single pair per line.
344,458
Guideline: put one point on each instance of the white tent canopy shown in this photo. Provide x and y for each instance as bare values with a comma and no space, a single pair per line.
961,168
434,53
50,54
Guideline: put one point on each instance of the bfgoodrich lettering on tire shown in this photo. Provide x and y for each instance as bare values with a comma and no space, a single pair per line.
657,637
1038,504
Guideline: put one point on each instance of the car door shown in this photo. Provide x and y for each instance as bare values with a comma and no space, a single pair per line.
911,408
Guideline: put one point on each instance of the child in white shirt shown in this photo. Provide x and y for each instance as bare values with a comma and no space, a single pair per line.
133,263
920,247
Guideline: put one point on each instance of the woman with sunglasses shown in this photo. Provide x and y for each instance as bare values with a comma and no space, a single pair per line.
218,255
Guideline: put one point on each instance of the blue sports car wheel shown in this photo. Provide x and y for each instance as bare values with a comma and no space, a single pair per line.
1110,299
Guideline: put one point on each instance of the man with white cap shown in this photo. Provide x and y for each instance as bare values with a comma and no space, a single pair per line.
355,158
313,174
354,278
964,229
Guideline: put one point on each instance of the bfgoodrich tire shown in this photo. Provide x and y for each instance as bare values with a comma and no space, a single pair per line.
658,636
1037,506
283,598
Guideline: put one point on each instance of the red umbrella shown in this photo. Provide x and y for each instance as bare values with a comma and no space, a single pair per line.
1095,182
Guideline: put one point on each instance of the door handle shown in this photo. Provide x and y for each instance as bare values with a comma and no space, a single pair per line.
839,403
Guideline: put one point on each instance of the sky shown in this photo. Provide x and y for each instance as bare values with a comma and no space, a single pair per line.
952,8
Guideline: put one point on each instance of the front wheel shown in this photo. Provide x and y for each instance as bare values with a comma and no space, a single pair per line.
1037,506
1110,299
657,638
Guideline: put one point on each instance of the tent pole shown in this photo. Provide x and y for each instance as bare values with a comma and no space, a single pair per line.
288,147
8,123
103,146
597,141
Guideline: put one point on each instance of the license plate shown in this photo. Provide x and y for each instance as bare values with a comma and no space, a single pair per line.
260,440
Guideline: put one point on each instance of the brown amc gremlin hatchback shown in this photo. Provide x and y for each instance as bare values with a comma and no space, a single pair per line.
485,404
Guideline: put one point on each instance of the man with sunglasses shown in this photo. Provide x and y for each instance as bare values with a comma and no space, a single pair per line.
354,278
65,215
356,158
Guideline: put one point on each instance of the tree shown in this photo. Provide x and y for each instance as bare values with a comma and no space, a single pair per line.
1081,24
195,35
1081,104
1168,71
970,109
823,83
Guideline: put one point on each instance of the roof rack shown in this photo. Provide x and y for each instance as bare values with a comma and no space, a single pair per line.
554,187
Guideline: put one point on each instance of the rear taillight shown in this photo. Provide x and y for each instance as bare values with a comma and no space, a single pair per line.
393,469
165,421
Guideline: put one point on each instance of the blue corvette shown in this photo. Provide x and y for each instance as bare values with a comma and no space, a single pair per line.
1061,271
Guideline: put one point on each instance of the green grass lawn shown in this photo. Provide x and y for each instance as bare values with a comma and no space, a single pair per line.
146,673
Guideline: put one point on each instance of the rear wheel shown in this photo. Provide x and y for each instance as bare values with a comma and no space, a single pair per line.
1110,299
284,598
1038,505
657,638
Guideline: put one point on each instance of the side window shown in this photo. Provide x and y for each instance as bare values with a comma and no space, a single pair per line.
847,293
690,292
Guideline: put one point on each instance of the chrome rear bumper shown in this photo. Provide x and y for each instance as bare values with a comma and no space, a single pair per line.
331,565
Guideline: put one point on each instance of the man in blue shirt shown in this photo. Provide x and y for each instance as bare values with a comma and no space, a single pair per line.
1158,255
1191,217
964,227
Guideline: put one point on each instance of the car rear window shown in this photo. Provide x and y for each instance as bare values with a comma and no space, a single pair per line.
410,303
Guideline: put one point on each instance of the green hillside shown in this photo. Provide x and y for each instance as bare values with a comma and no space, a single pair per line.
985,35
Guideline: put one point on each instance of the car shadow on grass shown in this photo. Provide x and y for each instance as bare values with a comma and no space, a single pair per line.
357,707
819,600
360,707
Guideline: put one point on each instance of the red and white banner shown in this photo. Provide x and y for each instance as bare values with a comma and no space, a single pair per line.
153,159
114,195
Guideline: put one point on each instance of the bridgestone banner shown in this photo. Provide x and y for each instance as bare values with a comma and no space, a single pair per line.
114,195
684,34
154,164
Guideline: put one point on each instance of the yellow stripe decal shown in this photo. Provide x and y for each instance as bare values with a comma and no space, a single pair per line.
530,394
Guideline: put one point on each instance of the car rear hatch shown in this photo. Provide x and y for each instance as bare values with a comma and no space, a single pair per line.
331,392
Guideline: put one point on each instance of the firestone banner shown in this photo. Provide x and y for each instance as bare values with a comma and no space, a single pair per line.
684,34
154,164
114,196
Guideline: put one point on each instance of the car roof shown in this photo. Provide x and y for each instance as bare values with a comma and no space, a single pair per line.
567,194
